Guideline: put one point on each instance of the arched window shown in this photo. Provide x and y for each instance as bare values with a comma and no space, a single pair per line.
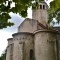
43,6
40,6
31,54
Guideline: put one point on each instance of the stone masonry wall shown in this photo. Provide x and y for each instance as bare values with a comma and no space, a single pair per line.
9,53
23,42
45,45
28,25
58,46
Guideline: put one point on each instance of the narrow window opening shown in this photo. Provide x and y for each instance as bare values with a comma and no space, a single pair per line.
31,54
43,6
40,6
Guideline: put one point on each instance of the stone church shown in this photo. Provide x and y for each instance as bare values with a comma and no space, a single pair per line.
34,41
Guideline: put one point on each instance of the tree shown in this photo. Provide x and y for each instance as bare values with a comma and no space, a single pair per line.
21,7
3,56
54,11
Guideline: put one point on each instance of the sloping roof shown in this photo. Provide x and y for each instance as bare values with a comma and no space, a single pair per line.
25,20
30,25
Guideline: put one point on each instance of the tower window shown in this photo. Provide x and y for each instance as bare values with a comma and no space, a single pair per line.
43,6
40,6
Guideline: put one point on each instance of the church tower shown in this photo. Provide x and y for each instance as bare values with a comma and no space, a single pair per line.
40,13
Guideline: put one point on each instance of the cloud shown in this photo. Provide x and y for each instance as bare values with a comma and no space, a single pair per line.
17,20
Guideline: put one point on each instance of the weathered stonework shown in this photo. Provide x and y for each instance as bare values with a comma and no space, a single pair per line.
23,42
45,45
32,26
34,41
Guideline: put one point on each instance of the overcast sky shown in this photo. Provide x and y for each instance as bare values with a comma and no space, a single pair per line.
7,32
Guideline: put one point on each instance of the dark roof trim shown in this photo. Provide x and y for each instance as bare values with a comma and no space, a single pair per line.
22,33
49,31
9,39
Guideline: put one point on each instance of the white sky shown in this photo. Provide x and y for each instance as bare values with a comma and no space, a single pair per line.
7,32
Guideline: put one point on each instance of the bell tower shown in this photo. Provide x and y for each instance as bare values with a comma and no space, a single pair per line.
40,13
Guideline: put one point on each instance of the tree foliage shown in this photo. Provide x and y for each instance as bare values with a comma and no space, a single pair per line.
3,56
54,11
21,7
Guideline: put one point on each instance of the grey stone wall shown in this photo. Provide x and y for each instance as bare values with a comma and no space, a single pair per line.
9,53
58,46
28,25
23,42
45,45
10,41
